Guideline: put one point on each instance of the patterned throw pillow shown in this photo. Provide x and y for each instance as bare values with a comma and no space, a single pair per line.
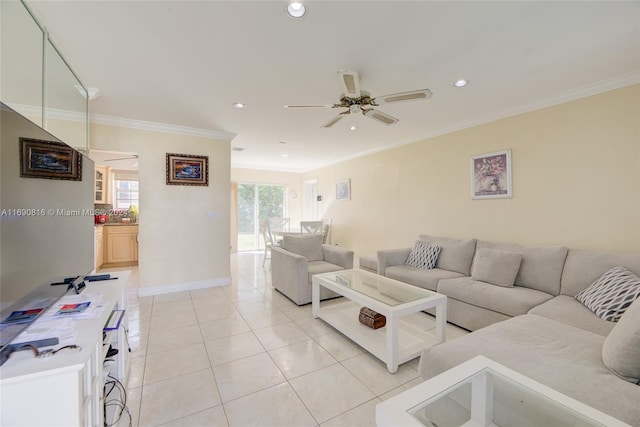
610,295
423,255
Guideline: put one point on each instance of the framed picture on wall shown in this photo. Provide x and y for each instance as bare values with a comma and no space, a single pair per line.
49,160
343,190
491,175
186,169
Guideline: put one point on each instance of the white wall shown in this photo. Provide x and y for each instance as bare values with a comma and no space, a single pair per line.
184,230
576,182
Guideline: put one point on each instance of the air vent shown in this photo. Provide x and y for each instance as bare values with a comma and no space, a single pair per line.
238,149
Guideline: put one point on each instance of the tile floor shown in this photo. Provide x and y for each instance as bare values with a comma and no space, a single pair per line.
245,355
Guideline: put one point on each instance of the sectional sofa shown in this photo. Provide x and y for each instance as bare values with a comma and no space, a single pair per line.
520,303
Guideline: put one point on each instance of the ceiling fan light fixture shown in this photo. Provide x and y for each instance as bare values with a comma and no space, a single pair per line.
461,83
296,9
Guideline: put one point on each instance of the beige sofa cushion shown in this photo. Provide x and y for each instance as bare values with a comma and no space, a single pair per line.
427,279
621,349
455,255
510,301
309,246
496,267
570,311
582,268
541,266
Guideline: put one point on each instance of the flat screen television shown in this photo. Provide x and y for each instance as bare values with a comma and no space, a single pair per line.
46,222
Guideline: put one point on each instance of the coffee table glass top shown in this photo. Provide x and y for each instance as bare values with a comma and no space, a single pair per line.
383,289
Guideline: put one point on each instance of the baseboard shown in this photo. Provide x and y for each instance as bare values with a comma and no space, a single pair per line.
184,286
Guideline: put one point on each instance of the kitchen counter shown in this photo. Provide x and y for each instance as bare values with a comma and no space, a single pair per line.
116,224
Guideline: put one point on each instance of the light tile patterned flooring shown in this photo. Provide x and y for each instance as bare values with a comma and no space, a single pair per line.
244,355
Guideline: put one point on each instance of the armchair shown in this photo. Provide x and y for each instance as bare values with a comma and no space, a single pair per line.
300,257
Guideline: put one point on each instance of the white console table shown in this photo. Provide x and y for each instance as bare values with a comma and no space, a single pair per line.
67,389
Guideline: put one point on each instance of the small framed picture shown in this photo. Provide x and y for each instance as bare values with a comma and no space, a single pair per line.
343,190
49,160
491,175
185,169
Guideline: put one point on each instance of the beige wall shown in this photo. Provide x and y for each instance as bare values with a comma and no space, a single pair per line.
576,180
293,182
184,230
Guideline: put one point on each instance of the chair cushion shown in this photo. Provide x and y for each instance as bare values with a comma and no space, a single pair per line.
423,255
309,246
611,294
319,267
496,267
621,349
455,255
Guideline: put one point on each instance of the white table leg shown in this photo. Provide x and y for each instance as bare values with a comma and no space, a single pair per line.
441,321
315,298
392,344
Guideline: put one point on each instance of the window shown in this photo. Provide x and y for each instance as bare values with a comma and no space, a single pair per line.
126,194
125,189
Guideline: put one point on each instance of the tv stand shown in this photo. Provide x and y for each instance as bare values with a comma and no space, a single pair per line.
68,388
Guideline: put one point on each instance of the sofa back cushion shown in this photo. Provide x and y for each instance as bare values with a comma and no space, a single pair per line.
621,349
455,254
496,267
309,246
583,267
541,266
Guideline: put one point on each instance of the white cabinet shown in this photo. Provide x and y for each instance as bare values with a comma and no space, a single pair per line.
67,389
101,183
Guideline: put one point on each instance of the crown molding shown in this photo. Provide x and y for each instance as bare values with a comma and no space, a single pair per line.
102,119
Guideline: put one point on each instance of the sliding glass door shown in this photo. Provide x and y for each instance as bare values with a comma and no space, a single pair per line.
256,202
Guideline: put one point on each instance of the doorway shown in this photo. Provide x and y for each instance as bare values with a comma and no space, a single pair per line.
311,204
257,202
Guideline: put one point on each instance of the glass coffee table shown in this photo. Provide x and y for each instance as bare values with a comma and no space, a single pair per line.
399,341
481,392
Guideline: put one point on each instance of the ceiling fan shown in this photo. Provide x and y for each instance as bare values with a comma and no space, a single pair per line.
360,101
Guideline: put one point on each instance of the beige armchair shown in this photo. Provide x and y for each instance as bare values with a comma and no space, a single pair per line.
300,257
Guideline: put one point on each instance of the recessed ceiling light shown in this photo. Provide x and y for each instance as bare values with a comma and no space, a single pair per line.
296,9
353,128
239,105
284,155
461,83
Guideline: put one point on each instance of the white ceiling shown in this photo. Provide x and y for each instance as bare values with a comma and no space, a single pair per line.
185,63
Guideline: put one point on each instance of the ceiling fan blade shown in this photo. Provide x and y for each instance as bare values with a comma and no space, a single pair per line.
413,95
333,121
122,158
310,106
350,83
381,117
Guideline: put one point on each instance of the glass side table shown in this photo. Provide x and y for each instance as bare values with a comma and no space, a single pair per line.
481,392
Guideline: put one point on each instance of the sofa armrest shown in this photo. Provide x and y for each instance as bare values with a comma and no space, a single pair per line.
289,273
338,256
389,257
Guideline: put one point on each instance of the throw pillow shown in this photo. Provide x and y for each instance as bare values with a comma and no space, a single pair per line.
496,267
423,255
621,349
610,295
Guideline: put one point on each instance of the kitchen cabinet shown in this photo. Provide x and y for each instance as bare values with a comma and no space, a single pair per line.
101,184
99,246
122,245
